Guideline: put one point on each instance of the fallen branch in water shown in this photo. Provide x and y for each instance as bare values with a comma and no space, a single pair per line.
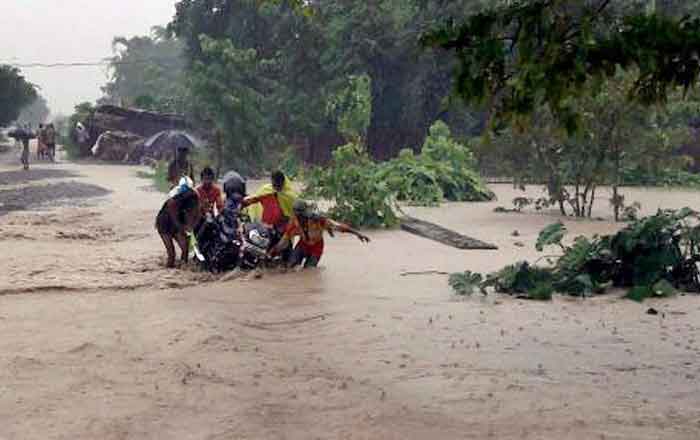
425,272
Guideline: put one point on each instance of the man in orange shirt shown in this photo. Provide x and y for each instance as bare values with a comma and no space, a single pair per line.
309,227
210,195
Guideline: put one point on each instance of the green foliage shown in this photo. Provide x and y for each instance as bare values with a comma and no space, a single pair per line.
465,283
148,72
662,289
412,179
653,257
159,177
666,177
290,163
551,235
15,94
519,56
443,171
615,135
37,112
351,107
351,182
65,129
229,92
362,61
454,167
521,279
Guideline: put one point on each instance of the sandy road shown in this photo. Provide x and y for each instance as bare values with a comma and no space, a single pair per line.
354,350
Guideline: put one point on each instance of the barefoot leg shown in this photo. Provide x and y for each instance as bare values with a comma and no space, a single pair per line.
169,248
184,246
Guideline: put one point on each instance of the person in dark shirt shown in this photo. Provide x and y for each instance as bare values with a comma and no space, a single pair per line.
180,166
178,216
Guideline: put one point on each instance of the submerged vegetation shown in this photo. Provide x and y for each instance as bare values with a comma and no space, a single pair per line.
652,256
364,192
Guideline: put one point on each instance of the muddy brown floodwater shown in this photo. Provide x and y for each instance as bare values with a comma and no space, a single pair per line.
105,344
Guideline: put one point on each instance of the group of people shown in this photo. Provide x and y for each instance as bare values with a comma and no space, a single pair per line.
46,143
297,228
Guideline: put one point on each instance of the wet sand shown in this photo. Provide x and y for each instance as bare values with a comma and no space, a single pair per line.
354,350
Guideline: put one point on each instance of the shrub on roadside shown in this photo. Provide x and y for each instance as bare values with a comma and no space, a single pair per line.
652,257
159,176
352,184
444,170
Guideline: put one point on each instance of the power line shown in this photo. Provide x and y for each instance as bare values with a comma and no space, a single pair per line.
103,63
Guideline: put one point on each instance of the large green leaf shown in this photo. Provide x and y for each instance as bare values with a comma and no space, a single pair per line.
551,235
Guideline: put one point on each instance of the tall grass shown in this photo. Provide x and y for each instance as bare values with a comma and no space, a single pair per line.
159,177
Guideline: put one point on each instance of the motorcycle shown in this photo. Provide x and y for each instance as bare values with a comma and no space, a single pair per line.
230,239
221,249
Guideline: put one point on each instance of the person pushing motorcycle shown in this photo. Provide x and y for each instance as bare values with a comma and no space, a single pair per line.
309,227
272,206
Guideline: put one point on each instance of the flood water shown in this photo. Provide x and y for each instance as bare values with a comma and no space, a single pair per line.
99,341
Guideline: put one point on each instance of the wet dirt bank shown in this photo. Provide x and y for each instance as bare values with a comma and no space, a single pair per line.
352,351
80,227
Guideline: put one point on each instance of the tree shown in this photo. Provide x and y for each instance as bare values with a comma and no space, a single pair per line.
147,72
317,52
615,135
351,108
230,92
522,55
35,113
15,94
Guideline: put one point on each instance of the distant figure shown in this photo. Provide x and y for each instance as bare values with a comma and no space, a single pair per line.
180,166
25,152
50,138
81,133
40,144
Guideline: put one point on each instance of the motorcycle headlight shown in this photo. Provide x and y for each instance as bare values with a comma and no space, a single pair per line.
257,239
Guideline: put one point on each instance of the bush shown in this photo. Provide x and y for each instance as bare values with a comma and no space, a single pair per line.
454,165
73,150
363,191
444,170
411,179
352,183
668,177
290,163
653,256
159,176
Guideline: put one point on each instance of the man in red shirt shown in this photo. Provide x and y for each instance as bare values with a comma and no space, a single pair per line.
210,195
309,227
272,212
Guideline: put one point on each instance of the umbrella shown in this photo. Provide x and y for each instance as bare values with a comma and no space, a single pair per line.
20,133
171,140
163,145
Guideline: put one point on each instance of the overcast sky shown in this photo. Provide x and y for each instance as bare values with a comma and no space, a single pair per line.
50,31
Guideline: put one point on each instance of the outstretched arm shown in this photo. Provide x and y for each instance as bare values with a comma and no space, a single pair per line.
332,225
251,201
280,246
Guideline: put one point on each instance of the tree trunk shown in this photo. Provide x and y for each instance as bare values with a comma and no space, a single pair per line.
577,200
590,203
562,208
616,195
219,153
